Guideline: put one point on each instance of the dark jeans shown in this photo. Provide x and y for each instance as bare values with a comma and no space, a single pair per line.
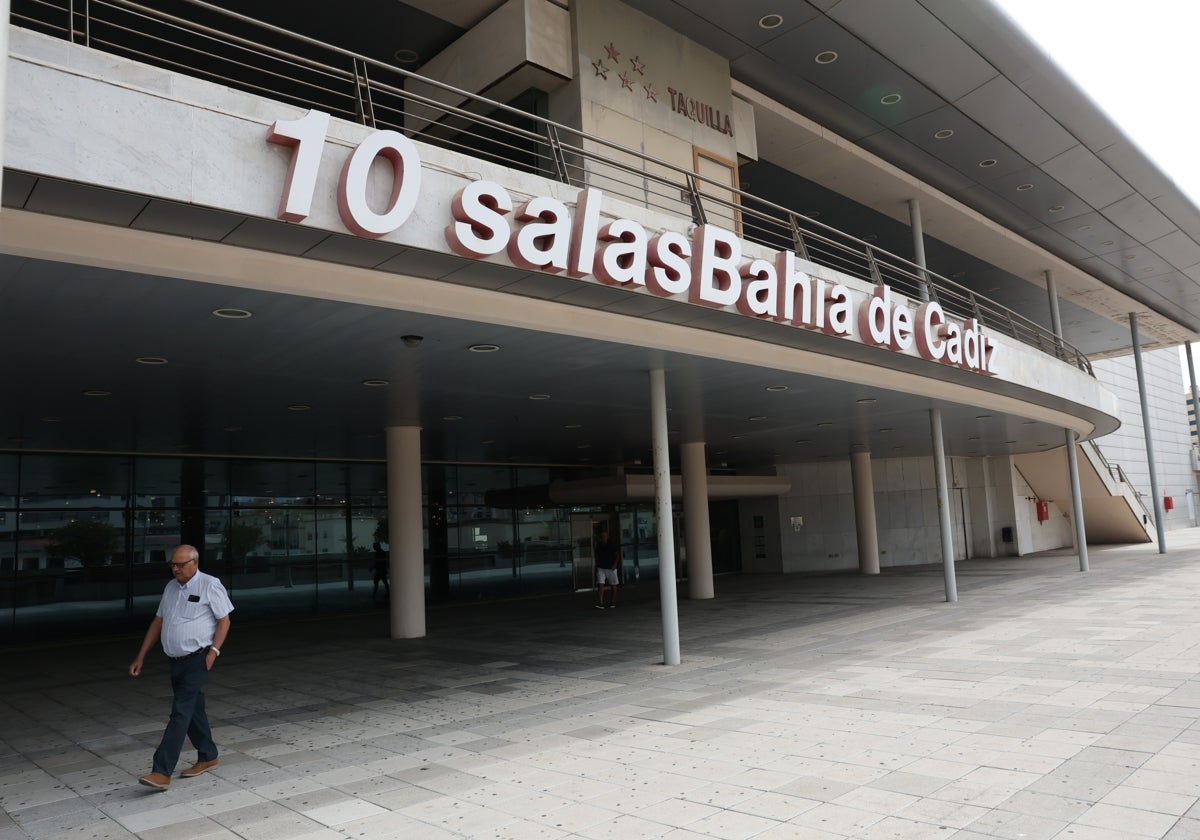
187,716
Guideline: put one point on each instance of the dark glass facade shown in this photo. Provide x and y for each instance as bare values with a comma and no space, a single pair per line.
84,539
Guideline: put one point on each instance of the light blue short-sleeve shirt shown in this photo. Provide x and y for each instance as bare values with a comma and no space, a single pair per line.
190,613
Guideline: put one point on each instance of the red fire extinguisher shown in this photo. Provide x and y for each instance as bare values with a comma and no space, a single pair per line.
1168,503
1043,511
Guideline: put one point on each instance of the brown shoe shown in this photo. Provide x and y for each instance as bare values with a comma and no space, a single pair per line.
198,768
158,781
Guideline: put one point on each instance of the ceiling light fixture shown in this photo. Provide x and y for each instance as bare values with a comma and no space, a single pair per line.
150,360
406,56
944,134
757,417
232,313
824,424
987,163
96,392
452,417
539,396
867,401
771,21
51,419
826,57
890,99
299,407
1057,208
376,383
573,426
1024,187
983,417
484,348
888,429
777,387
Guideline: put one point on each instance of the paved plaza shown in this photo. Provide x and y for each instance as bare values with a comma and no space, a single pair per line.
1046,703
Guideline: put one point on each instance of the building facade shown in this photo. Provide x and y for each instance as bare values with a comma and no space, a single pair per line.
813,289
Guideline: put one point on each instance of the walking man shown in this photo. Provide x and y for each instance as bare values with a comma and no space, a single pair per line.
192,622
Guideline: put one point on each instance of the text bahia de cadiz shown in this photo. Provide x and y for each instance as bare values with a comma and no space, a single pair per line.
543,234
708,269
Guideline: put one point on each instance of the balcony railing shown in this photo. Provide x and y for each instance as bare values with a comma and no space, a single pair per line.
260,58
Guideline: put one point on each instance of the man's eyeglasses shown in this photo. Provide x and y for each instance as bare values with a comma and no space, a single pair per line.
180,565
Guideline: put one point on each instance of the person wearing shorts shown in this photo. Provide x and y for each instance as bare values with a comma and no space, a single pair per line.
608,561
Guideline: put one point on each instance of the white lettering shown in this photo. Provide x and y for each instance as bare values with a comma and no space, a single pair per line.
480,229
402,154
717,281
306,136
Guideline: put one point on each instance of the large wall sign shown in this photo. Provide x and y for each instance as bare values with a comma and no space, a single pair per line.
709,267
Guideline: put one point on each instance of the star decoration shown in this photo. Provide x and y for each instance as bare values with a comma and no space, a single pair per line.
613,55
651,94
626,82
638,65
601,70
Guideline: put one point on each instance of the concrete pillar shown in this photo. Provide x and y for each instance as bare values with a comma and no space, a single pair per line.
1141,378
695,520
864,512
4,24
943,497
662,507
406,564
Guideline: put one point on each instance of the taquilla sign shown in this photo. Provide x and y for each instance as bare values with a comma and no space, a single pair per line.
707,266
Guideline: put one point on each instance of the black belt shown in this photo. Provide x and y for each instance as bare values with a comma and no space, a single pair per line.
189,655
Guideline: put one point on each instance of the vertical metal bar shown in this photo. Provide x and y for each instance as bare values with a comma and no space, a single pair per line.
1195,395
798,238
556,152
1077,501
370,103
1141,377
943,497
662,498
694,196
874,266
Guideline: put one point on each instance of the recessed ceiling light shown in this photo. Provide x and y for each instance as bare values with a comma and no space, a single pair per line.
376,383
1127,256
771,21
888,429
1057,208
1084,227
826,57
813,214
867,401
1107,242
824,424
96,392
488,441
539,396
51,419
299,407
150,360
983,417
738,437
987,163
406,56
573,426
1009,442
451,417
944,134
802,440
232,313
484,348
1024,187
1028,422
757,417
973,437
777,387
890,99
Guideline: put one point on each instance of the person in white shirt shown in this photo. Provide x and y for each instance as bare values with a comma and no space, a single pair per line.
192,621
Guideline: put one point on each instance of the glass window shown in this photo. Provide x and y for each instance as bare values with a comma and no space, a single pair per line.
74,481
8,482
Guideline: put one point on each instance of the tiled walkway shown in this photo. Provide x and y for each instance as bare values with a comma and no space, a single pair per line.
1045,704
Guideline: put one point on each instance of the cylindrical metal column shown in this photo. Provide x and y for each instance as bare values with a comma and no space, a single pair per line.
1141,378
695,520
943,497
918,232
1055,315
1072,454
662,507
406,564
864,512
1192,379
1077,501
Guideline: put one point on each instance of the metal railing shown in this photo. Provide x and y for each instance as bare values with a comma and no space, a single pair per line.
259,58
